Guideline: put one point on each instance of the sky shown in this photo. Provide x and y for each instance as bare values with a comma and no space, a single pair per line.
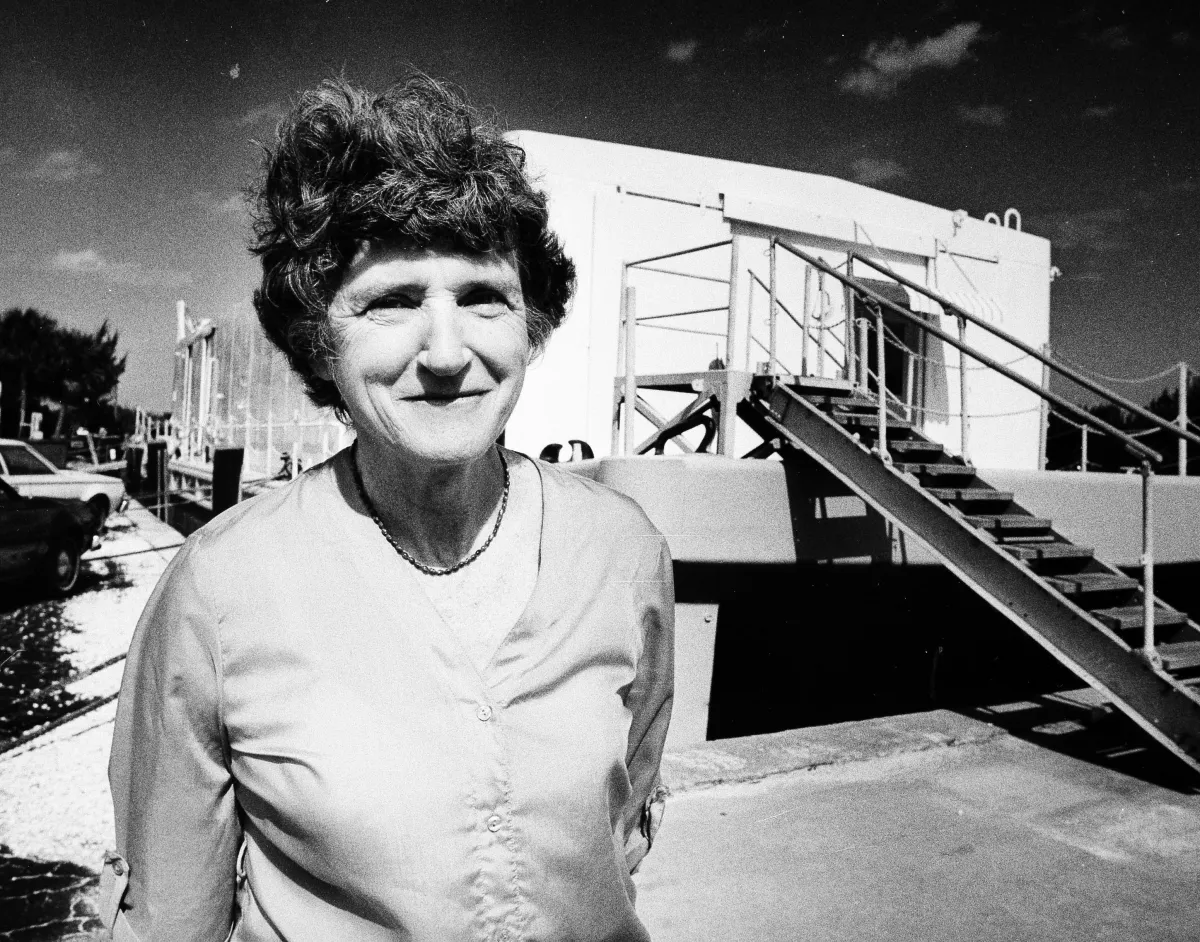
128,132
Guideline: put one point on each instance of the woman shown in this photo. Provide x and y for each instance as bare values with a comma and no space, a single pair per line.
421,692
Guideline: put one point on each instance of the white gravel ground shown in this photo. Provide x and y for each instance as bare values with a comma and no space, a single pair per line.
54,798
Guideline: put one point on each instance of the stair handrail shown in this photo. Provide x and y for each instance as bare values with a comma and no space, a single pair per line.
1071,374
1131,444
677,254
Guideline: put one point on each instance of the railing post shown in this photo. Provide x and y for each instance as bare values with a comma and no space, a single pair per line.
1083,449
1183,418
772,364
849,343
1148,651
805,319
823,309
881,441
964,422
619,366
1044,417
630,368
863,335
909,380
737,330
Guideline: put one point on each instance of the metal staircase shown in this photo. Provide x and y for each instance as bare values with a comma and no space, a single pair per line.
1086,613
1108,628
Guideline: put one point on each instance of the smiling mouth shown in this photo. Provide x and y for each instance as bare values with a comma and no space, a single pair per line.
445,397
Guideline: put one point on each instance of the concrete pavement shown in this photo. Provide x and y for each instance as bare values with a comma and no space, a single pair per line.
986,837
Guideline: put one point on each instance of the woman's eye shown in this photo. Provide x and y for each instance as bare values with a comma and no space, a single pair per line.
383,306
485,301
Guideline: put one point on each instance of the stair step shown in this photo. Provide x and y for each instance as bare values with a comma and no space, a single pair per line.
820,386
1126,617
1050,551
914,446
851,402
936,470
868,420
1179,657
970,495
1008,523
1088,582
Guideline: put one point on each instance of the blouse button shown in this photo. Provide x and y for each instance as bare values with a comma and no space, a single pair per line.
494,823
484,713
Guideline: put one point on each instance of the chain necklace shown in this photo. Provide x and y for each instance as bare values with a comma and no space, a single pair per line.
430,570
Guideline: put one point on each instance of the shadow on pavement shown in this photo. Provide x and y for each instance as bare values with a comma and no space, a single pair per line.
44,901
1076,723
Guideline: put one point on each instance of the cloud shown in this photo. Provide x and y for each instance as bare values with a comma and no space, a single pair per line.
89,262
1181,38
991,116
269,113
63,166
8,155
874,170
887,65
682,50
232,205
1099,111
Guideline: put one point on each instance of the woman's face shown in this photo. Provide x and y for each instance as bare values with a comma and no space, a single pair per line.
430,350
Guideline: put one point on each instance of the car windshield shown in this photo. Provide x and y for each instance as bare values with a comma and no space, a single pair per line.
21,460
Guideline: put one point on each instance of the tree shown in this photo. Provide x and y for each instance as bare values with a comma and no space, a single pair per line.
1064,440
73,372
26,339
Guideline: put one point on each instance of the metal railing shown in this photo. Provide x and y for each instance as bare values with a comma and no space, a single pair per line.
809,321
630,321
820,344
877,303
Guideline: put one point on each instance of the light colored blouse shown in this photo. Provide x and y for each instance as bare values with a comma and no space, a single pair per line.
481,602
305,751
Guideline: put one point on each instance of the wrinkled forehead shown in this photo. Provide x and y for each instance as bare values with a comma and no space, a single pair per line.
404,255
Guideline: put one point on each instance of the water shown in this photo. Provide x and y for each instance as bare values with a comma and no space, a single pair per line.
33,666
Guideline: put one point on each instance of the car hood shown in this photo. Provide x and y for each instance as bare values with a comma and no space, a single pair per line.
71,476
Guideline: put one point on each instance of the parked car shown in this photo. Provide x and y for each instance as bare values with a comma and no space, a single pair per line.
34,476
42,538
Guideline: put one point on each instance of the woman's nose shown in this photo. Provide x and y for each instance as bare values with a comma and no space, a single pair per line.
443,352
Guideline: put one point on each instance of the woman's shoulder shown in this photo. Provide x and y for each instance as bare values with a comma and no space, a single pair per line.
263,526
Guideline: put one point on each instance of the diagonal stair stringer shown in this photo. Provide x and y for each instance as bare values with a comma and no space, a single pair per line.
1167,710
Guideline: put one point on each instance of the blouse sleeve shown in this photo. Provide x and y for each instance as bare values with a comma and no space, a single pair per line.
177,828
649,700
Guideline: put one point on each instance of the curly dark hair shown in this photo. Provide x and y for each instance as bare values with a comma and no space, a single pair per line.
416,164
